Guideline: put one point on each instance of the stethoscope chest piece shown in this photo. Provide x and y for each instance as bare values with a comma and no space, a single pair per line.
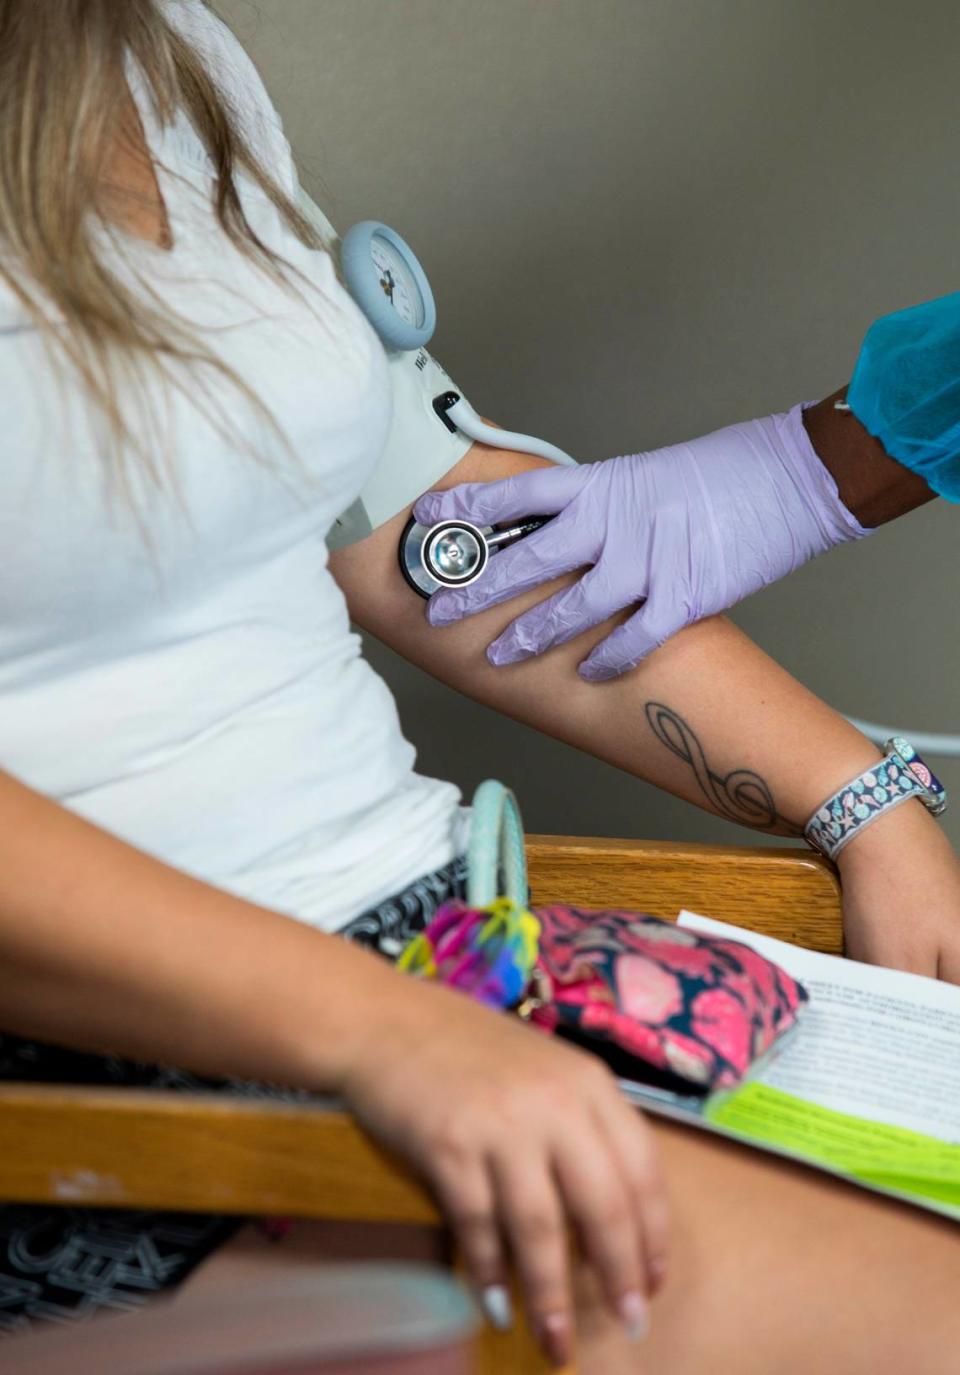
452,553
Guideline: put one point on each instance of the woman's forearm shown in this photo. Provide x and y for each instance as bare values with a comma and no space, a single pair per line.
107,949
709,717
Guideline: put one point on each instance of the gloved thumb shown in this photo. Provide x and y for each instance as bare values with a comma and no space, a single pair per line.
537,492
628,645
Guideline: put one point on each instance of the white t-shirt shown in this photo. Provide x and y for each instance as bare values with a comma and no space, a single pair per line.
180,668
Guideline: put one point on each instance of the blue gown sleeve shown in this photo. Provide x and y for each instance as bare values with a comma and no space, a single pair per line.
906,390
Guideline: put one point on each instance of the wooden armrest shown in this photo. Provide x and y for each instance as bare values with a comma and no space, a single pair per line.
205,1152
208,1152
792,894
197,1152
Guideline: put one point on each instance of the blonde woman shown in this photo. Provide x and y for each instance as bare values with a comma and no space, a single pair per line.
205,787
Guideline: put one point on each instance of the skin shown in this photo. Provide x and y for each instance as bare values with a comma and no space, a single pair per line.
129,192
92,954
871,484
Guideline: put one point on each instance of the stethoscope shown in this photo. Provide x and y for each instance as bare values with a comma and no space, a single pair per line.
384,277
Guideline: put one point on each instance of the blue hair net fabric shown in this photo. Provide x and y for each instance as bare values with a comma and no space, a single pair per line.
906,390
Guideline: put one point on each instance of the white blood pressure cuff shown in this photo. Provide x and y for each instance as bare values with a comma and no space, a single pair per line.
420,448
418,452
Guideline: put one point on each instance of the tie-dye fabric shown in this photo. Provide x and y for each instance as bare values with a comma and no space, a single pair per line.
488,952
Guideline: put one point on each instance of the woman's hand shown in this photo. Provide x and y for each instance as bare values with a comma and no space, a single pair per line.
521,1138
688,531
901,895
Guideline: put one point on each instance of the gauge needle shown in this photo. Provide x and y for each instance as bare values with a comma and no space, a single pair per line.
388,284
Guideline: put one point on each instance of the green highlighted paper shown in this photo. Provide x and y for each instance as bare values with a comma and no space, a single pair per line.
867,1086
884,1157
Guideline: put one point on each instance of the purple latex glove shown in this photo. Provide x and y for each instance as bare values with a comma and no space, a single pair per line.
689,530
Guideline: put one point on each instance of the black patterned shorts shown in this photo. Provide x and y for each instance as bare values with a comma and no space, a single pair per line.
63,1264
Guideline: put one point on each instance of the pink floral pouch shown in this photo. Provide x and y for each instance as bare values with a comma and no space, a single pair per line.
688,1006
661,1003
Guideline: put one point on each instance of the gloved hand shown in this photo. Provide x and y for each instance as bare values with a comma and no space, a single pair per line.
691,529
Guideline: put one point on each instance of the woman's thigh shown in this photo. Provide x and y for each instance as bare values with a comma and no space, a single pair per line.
777,1268
774,1268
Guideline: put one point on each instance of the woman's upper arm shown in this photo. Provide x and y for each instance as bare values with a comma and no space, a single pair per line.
381,602
544,692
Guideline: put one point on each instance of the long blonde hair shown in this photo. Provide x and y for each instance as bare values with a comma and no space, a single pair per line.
63,92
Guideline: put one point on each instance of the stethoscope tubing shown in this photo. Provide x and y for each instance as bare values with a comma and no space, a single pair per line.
464,417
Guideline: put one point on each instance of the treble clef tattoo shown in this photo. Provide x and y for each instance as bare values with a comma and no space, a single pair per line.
742,795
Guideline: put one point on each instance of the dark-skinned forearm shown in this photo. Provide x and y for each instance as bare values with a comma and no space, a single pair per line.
872,485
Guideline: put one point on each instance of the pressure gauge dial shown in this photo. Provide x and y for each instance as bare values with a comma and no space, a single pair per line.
388,284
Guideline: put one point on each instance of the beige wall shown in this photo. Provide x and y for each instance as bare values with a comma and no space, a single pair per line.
642,219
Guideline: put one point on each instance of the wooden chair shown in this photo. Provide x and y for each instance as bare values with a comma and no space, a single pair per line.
167,1150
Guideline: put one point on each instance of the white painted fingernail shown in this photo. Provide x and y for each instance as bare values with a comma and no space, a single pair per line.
636,1320
495,1301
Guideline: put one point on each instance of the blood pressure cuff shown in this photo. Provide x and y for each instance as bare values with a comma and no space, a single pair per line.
420,448
418,452
906,390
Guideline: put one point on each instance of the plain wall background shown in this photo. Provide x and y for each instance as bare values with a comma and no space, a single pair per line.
644,219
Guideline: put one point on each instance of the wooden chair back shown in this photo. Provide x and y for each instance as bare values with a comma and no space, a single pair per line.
790,893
